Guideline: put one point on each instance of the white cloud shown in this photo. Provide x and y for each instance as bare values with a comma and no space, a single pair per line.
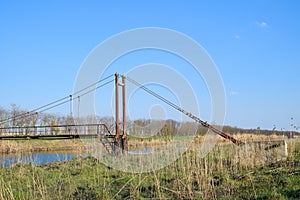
262,24
234,93
237,37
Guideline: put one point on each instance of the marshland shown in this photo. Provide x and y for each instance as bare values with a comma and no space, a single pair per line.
266,167
127,100
226,172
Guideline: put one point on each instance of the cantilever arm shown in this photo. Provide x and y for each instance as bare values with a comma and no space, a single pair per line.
205,124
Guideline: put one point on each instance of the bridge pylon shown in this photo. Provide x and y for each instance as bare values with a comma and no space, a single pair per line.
120,142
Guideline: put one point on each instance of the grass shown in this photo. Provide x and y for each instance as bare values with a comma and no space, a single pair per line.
219,175
40,145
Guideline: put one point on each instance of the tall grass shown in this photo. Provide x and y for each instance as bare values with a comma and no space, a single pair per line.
226,172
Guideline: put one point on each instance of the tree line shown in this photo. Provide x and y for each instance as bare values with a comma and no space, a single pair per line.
138,127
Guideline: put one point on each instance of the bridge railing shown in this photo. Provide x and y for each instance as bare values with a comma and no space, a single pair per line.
81,129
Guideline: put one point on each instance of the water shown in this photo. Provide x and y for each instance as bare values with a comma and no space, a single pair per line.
291,139
36,159
43,158
148,150
145,150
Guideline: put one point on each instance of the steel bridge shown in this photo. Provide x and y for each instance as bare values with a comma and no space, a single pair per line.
55,131
109,140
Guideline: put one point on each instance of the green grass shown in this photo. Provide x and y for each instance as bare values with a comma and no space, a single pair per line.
217,176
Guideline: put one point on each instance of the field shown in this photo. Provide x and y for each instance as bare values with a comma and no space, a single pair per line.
224,173
42,145
53,144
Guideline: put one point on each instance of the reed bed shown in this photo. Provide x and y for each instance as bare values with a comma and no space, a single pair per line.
227,172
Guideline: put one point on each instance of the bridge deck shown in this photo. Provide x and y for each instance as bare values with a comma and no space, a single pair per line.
63,136
58,131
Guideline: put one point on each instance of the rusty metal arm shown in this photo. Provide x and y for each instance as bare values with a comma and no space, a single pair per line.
196,119
215,130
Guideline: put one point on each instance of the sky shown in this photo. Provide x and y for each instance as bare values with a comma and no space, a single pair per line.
254,44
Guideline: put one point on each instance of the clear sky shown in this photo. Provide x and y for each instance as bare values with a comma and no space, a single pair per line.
255,45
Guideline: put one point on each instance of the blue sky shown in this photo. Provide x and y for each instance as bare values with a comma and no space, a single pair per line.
255,45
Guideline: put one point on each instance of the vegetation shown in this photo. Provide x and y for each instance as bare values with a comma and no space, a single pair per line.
41,145
227,172
140,127
219,175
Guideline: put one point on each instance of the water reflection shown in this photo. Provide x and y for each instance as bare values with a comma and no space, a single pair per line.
43,158
145,150
36,159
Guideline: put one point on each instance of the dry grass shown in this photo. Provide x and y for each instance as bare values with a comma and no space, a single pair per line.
226,172
27,146
17,146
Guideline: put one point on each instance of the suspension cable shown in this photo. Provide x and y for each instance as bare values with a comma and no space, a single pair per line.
196,119
27,114
93,84
96,87
153,93
57,102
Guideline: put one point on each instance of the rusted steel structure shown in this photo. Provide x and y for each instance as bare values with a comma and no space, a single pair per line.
57,131
115,143
196,119
120,142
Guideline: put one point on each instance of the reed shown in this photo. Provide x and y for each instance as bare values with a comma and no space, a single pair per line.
42,145
226,172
